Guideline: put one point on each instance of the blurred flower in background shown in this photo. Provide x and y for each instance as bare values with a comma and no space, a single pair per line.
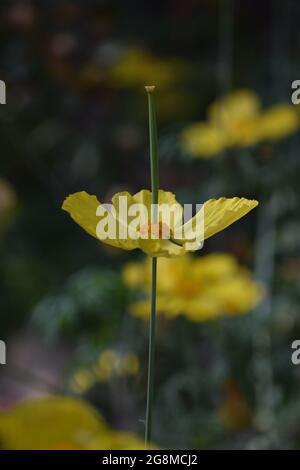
203,140
201,288
109,364
279,121
238,120
66,424
136,67
236,115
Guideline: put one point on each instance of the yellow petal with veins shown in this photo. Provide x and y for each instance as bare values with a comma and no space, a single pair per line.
222,212
218,214
82,207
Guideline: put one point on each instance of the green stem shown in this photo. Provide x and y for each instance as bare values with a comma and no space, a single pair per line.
153,144
154,187
148,424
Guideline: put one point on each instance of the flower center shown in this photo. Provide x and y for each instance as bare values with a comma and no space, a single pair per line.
159,230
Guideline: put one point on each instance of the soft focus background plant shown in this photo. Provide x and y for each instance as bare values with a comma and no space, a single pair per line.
76,119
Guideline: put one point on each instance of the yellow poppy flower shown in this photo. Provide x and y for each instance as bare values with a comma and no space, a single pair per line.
237,120
60,423
137,66
279,121
232,121
203,140
200,288
236,115
49,423
130,232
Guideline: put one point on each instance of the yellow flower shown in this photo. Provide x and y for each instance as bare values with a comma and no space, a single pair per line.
50,423
137,66
236,115
109,364
232,121
237,120
278,121
82,381
204,140
130,232
200,288
60,423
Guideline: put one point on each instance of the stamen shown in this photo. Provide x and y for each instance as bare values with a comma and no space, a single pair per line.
160,230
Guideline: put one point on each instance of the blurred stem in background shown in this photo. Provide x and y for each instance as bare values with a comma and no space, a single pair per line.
265,250
225,60
262,359
226,31
154,220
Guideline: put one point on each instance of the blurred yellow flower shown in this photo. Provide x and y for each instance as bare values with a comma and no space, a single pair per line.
109,364
201,288
278,122
237,120
203,140
232,121
236,115
137,66
82,380
216,215
50,423
60,423
113,363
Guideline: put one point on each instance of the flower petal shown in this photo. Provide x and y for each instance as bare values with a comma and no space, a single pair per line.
215,215
82,207
222,212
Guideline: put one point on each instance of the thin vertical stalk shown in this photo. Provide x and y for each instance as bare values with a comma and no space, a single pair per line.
148,424
154,187
153,145
225,49
262,341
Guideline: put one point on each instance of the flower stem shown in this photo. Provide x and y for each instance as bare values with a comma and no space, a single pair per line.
154,187
153,145
148,424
